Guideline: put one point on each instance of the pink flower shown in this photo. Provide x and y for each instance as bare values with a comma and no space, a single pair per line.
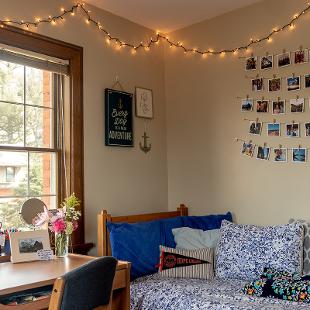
58,226
42,218
75,225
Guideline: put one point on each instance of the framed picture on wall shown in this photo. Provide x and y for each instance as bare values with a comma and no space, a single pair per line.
144,102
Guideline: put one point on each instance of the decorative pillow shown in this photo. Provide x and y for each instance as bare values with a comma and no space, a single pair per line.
244,250
306,226
179,263
193,239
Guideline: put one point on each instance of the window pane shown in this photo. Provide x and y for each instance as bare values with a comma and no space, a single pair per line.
38,87
42,174
49,201
10,174
9,212
11,82
39,127
19,162
11,124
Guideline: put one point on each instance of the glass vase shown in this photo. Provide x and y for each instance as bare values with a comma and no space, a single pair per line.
61,244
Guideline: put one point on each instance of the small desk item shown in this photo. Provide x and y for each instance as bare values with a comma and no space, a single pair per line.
23,276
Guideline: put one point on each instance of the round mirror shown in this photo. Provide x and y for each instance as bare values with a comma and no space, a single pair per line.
30,209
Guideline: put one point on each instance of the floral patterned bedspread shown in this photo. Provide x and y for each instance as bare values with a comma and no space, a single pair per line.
157,293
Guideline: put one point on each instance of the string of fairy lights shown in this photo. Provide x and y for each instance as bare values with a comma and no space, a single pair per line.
147,45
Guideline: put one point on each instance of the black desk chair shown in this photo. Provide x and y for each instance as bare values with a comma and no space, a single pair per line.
85,288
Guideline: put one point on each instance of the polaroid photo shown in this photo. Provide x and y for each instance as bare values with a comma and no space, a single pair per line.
292,130
255,128
293,83
284,60
299,155
248,149
274,84
258,84
278,107
280,155
307,129
266,62
247,105
262,106
307,81
251,64
301,56
297,105
263,153
273,129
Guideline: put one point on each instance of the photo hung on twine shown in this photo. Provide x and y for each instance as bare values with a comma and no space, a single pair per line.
251,63
262,106
293,83
301,56
255,128
274,84
297,105
307,129
284,60
258,84
278,107
307,81
266,62
280,155
247,105
299,155
248,149
273,130
263,153
292,130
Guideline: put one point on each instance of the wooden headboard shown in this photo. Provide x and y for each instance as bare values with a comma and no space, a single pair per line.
104,248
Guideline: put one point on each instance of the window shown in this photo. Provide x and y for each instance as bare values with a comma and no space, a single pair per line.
10,174
28,132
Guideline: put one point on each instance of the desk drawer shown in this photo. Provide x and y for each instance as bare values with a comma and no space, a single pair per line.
119,279
35,305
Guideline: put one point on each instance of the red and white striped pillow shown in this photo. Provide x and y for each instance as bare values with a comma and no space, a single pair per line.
181,263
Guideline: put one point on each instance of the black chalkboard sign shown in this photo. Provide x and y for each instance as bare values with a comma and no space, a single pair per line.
118,118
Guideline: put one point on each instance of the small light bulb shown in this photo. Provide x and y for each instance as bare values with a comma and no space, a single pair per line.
72,13
292,27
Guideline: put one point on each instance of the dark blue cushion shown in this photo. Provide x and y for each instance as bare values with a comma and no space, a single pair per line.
139,243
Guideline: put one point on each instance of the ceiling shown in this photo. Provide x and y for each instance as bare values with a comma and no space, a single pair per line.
169,15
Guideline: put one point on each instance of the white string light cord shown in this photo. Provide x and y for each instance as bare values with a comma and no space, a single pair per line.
80,7
279,146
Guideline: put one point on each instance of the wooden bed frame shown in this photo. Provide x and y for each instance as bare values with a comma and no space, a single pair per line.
104,248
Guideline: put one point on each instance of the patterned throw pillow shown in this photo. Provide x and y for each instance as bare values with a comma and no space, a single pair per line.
306,225
180,263
245,250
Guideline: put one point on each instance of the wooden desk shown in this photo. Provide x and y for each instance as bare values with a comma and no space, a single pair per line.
23,276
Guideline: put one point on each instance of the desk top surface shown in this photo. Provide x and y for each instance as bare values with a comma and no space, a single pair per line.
22,276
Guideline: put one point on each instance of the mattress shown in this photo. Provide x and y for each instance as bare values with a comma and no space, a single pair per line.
156,293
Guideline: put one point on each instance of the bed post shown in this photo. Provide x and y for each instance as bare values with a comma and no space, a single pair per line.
102,233
183,210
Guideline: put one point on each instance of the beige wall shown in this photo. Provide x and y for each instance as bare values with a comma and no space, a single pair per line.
205,168
121,180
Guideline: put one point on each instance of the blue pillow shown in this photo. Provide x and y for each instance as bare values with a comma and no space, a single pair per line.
139,243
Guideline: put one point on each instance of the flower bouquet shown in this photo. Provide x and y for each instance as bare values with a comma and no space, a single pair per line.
63,222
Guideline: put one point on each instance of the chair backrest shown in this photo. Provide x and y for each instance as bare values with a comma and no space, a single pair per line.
86,287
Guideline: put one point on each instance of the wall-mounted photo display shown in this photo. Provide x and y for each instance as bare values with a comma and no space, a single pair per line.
263,153
118,118
255,128
262,106
266,62
292,130
26,244
144,102
299,155
301,56
284,60
248,149
293,83
273,129
247,105
274,84
307,81
297,105
278,107
307,129
258,84
280,155
251,63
